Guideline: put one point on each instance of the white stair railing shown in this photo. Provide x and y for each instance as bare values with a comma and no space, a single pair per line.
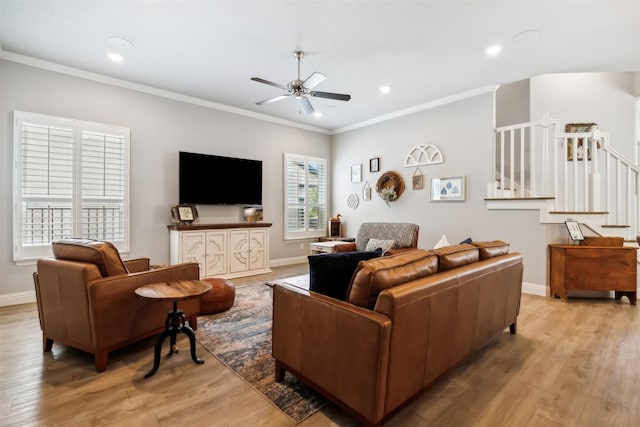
535,159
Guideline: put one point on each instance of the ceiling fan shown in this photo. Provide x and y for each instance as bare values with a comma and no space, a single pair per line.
301,89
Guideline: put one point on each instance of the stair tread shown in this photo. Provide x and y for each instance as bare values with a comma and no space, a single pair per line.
580,212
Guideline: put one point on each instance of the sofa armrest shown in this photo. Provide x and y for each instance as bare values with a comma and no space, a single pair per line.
136,265
345,247
336,347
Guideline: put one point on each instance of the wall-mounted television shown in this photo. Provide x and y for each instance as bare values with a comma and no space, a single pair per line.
216,180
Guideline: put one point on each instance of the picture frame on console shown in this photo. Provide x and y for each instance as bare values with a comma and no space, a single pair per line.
574,230
187,213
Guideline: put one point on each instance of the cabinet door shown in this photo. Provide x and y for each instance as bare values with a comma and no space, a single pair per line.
193,248
216,253
238,251
258,249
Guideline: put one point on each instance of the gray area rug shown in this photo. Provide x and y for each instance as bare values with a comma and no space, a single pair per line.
241,339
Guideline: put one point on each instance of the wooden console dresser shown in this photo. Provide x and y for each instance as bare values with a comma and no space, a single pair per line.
594,268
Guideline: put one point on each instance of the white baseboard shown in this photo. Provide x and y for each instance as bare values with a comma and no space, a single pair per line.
287,261
16,298
534,289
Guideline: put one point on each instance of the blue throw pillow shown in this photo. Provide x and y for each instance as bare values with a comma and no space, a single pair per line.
467,240
330,274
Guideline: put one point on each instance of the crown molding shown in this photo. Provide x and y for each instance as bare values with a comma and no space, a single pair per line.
101,78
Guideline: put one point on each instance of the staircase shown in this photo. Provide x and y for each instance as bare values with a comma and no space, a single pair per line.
565,175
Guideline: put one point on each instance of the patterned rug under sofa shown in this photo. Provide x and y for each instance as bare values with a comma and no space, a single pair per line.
241,339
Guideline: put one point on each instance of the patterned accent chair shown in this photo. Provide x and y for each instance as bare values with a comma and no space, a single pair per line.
405,236
86,298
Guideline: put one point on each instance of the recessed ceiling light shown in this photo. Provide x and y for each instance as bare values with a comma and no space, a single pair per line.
493,50
120,43
317,114
384,89
115,57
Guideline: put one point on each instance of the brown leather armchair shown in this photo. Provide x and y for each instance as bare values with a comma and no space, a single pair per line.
86,298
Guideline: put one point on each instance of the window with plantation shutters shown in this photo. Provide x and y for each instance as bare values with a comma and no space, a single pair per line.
305,188
71,179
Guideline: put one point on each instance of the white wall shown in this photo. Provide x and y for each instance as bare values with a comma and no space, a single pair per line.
463,131
603,98
512,103
160,127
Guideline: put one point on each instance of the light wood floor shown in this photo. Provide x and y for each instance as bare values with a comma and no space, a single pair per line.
571,364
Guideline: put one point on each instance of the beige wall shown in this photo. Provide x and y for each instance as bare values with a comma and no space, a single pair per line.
160,127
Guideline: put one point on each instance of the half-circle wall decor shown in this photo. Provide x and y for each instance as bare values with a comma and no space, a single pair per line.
423,155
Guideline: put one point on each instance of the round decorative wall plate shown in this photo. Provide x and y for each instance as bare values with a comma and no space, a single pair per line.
353,200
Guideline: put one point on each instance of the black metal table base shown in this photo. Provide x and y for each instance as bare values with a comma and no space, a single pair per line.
176,323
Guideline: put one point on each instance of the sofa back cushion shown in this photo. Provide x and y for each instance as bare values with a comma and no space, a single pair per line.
330,274
456,256
404,234
103,254
378,274
491,249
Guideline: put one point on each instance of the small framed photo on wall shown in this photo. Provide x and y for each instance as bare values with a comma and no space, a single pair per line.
374,164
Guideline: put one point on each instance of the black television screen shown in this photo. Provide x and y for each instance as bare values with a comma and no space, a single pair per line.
215,180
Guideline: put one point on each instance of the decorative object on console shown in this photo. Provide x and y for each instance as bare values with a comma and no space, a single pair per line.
423,155
390,187
374,164
366,191
356,172
187,213
418,179
353,201
253,213
448,189
579,146
335,226
574,230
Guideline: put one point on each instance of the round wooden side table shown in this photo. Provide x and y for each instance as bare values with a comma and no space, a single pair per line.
176,322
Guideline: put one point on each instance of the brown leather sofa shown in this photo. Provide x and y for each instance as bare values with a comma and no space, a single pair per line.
408,319
86,298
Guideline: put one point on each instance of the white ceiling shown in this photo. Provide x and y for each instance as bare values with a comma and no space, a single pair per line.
424,50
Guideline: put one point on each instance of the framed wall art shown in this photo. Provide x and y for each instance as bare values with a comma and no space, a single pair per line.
374,164
356,172
448,189
417,180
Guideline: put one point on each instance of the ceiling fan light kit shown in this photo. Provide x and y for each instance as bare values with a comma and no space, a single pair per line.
301,89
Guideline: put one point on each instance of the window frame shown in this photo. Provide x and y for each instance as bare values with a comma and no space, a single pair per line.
307,205
27,253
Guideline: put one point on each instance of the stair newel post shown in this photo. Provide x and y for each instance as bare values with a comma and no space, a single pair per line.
595,172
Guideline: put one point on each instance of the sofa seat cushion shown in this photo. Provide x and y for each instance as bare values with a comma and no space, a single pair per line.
103,254
456,256
378,274
491,249
330,274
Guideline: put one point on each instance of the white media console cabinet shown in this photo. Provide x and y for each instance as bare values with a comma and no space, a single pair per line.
222,250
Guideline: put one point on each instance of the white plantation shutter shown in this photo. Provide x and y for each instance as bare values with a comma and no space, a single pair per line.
305,184
70,180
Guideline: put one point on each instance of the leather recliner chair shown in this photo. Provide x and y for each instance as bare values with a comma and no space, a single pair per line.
86,298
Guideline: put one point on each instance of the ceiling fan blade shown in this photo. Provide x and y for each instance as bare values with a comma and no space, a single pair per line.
314,80
267,82
306,105
329,95
274,99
